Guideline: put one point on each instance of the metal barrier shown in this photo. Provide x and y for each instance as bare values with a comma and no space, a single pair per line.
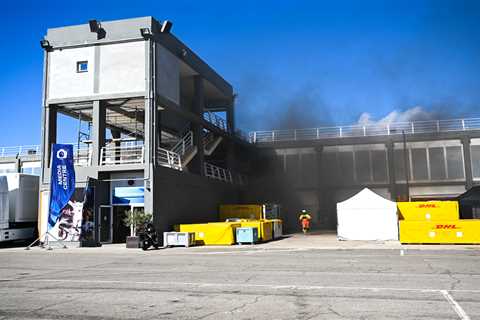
395,128
184,144
218,173
82,156
215,120
113,155
169,159
6,152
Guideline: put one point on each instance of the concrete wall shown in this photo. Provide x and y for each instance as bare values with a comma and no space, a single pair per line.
168,74
112,69
186,198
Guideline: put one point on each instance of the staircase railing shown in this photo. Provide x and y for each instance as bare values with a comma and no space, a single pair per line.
183,144
215,120
169,159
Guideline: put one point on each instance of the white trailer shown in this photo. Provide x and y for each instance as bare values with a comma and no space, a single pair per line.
18,206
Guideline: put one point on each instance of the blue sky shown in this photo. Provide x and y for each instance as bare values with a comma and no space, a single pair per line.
307,62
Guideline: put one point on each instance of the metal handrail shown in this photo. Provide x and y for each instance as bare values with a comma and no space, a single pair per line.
114,155
83,156
216,120
183,144
169,159
28,150
378,129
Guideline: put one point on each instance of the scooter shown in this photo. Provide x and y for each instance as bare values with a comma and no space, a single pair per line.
149,237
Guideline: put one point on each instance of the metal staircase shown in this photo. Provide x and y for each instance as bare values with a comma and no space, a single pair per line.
187,150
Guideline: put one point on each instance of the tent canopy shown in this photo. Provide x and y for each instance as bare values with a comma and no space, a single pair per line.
367,216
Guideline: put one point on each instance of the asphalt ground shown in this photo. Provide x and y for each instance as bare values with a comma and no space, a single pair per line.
278,280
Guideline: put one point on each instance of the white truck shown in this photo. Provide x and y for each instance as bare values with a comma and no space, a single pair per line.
18,206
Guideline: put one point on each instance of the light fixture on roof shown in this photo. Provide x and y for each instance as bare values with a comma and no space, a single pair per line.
94,25
166,26
146,33
45,44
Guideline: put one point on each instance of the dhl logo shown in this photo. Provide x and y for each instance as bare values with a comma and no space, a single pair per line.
427,205
446,226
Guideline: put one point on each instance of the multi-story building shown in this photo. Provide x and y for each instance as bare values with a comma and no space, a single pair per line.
155,122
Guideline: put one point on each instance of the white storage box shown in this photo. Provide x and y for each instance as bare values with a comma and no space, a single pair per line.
185,239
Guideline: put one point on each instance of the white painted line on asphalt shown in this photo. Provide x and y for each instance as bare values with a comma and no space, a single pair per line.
236,285
241,251
458,309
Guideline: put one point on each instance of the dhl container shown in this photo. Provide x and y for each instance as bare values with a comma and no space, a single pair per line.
444,231
428,211
241,211
265,231
214,233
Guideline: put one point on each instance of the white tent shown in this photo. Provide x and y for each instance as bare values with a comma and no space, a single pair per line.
367,216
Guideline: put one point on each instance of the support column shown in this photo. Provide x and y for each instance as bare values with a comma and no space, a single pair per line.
116,135
320,187
49,134
231,118
98,131
467,162
198,106
391,170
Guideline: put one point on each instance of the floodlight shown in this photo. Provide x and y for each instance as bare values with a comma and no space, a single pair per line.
166,27
146,32
94,25
45,44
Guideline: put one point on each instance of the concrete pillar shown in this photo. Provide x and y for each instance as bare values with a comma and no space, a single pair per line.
49,134
231,118
98,131
116,135
391,170
467,161
320,186
198,106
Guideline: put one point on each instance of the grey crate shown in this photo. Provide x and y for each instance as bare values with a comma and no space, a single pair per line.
184,239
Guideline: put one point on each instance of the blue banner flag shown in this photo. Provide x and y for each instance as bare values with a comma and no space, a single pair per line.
62,181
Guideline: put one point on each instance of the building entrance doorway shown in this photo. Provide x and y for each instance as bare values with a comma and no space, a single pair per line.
105,224
120,230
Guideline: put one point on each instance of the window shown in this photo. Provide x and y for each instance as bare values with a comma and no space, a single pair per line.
82,66
437,163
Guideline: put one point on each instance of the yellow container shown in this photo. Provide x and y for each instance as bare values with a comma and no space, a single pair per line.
428,210
241,211
214,233
265,228
445,231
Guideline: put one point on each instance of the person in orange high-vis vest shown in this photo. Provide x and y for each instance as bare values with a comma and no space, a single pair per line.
304,219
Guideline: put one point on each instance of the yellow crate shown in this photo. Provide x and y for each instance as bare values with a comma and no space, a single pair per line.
241,211
445,231
265,228
214,233
428,210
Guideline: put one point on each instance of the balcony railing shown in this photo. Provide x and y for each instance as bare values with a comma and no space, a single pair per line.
218,173
82,156
395,128
114,155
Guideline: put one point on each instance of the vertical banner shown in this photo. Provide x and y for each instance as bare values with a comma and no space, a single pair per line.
62,211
